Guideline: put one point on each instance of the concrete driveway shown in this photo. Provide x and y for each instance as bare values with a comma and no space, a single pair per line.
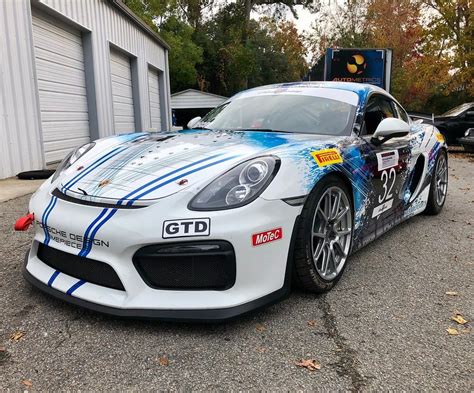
382,328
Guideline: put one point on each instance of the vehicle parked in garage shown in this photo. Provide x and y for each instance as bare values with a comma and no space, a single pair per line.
209,223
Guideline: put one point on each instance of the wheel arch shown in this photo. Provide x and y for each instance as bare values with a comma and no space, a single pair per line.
341,176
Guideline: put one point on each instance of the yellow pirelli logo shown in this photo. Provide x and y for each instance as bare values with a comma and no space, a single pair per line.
326,157
439,137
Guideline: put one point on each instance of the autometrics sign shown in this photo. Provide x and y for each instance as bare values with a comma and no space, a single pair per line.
359,65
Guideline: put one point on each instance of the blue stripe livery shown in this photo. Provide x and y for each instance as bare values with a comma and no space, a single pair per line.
77,285
93,166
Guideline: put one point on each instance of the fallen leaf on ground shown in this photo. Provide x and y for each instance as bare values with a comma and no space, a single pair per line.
260,327
466,330
452,331
309,364
164,361
27,383
312,322
17,336
2,349
261,349
451,293
458,318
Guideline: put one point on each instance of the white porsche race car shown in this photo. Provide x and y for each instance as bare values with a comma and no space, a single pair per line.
209,223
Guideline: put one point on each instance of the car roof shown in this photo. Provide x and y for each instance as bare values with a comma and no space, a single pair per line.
358,88
361,89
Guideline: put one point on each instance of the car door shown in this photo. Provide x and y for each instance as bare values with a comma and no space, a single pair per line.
465,121
388,164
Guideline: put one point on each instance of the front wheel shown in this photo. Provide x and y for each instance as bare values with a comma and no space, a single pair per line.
439,185
324,236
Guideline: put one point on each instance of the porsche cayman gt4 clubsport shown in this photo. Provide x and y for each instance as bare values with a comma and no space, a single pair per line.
279,184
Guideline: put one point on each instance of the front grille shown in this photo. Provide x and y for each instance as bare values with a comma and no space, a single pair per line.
83,268
191,265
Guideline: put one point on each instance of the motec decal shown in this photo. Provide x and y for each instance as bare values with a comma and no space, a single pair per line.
327,157
267,236
187,228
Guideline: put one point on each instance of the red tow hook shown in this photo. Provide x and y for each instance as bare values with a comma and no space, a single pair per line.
23,223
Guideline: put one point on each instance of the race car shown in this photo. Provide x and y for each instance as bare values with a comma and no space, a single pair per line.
279,184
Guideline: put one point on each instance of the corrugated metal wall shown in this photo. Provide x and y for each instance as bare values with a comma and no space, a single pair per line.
109,26
20,137
102,25
195,99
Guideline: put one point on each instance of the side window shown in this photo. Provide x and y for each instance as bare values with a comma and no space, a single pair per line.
378,108
401,113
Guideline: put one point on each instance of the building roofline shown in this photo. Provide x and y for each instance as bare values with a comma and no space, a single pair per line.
199,91
140,23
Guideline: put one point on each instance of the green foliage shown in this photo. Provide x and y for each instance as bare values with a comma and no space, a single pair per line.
184,54
221,49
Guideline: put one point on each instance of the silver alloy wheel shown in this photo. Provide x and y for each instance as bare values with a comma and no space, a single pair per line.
441,179
331,233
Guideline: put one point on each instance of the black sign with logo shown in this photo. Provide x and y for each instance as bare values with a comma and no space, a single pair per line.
359,65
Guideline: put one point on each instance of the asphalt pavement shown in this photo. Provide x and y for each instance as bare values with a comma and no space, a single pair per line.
383,327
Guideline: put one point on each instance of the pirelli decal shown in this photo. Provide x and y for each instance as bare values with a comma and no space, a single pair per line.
440,137
326,157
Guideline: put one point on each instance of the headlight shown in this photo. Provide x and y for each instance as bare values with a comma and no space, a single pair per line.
237,187
71,158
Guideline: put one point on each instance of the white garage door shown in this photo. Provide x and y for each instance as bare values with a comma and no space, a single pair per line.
154,95
59,61
122,93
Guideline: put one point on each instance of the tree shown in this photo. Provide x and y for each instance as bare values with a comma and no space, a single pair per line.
339,25
184,55
451,33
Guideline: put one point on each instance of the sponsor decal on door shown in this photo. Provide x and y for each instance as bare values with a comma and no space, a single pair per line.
266,237
387,159
187,228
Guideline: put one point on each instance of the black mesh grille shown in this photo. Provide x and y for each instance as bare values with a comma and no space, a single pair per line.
83,268
192,265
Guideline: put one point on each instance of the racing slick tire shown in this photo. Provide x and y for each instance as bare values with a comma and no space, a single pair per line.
324,236
438,185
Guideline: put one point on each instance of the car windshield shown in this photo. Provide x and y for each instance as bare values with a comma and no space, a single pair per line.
283,112
457,110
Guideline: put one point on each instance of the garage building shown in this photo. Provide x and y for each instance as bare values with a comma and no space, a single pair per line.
75,71
190,103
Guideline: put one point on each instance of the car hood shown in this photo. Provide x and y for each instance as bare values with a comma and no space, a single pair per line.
160,164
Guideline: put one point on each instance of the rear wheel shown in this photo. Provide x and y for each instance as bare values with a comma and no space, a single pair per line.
324,236
439,185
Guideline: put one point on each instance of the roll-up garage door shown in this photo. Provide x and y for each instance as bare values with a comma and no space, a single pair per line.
154,95
122,92
61,77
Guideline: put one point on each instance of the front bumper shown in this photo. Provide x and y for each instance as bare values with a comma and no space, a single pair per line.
204,315
262,272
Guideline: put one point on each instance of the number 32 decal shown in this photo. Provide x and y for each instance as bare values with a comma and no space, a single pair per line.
388,180
387,161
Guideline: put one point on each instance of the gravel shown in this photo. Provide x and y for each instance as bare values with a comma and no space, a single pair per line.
383,327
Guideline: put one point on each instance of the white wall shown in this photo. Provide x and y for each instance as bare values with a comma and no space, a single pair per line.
102,25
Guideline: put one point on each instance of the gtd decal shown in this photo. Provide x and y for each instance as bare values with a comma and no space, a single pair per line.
267,236
187,228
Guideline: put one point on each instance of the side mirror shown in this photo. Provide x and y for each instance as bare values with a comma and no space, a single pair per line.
390,128
193,121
